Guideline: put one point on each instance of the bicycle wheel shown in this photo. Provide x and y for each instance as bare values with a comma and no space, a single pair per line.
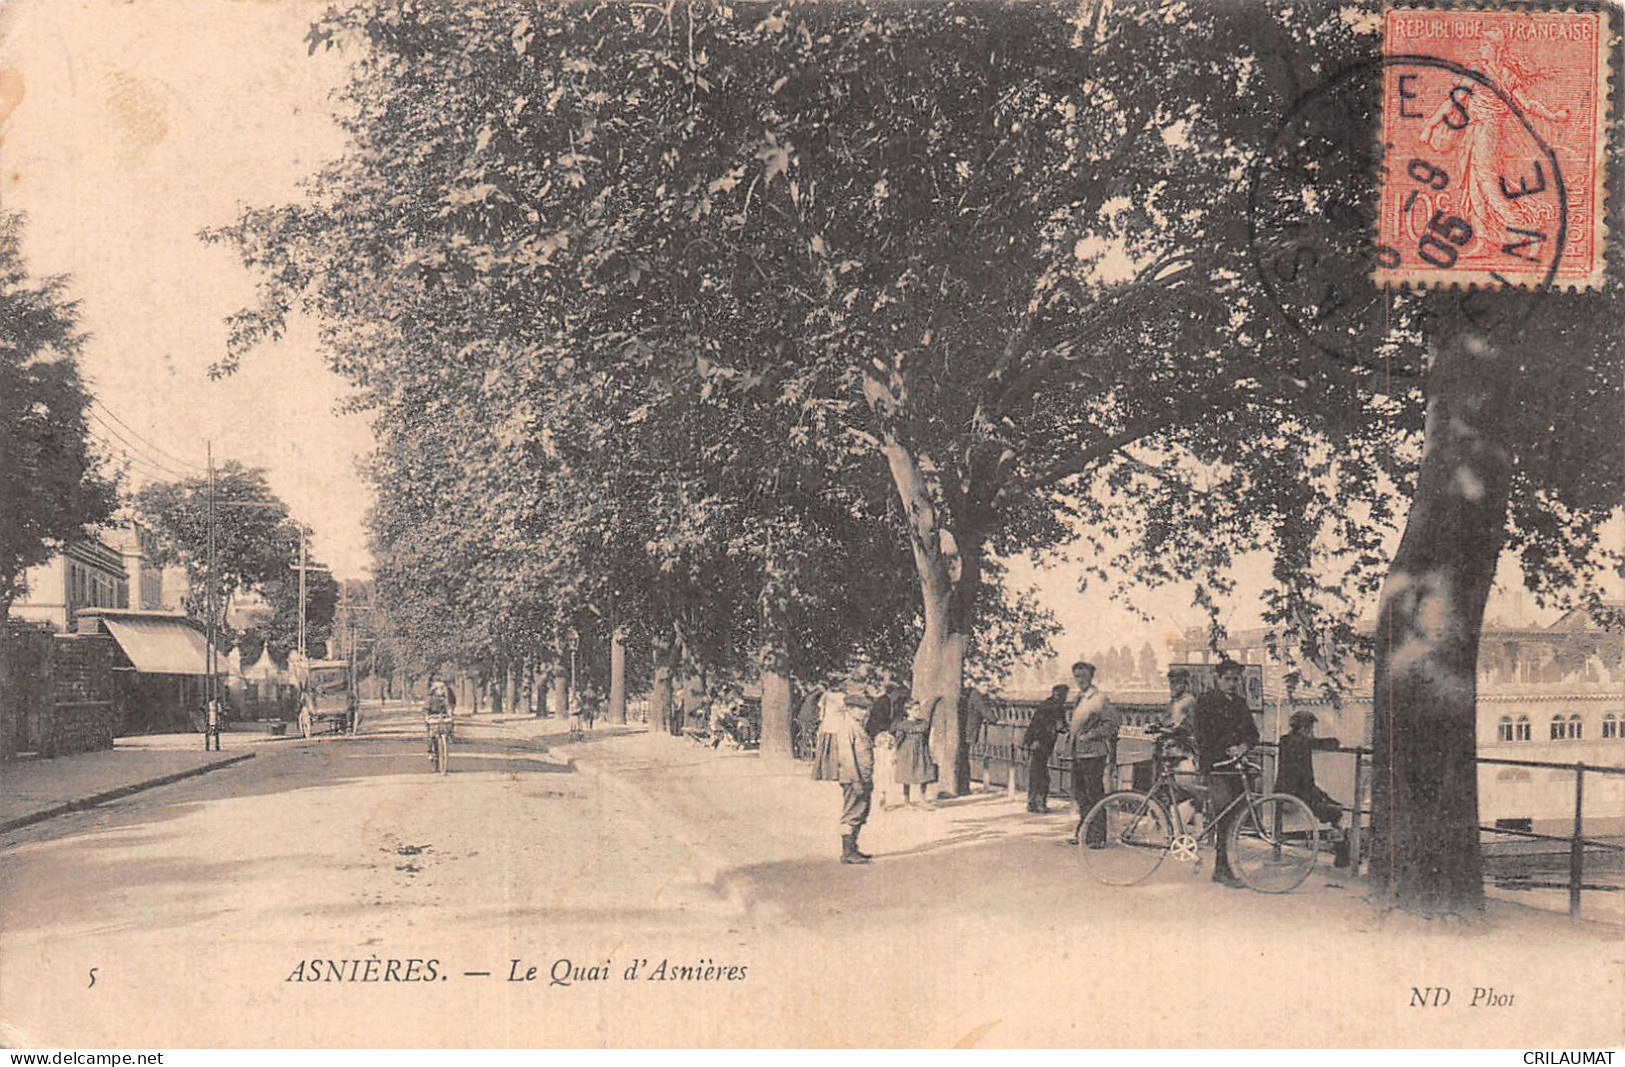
442,748
1124,838
1273,843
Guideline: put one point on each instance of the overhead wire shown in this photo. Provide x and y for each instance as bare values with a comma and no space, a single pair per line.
160,451
119,451
138,450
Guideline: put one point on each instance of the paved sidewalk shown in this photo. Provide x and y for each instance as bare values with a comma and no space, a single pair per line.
766,835
33,790
769,837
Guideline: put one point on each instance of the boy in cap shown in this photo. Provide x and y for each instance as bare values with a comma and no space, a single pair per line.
846,754
1295,774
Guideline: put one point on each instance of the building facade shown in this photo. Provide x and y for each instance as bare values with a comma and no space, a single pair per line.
146,581
88,573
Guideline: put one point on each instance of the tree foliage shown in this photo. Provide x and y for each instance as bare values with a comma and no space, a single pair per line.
256,550
677,317
50,481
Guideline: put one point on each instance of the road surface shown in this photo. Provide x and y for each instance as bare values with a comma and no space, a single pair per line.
336,892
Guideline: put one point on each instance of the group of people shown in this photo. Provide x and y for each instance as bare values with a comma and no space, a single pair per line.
714,716
868,745
439,703
583,705
1220,727
1091,725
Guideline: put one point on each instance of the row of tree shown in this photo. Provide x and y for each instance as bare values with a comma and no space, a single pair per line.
759,337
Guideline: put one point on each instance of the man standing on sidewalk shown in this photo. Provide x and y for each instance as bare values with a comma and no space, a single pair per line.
1094,726
1225,730
846,754
1039,740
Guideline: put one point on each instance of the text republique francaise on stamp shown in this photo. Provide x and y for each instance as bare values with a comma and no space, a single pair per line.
1494,148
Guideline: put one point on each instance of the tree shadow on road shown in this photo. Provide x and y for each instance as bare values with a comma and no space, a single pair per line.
311,765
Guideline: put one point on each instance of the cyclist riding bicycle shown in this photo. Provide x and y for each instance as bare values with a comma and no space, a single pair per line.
440,702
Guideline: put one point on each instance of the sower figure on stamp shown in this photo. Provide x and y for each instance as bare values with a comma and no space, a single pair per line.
1039,740
1094,728
846,754
1224,730
1482,140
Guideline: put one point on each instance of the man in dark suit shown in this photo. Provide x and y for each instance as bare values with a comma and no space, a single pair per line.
1224,729
1040,742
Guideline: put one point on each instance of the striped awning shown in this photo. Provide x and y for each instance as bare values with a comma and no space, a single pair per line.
160,646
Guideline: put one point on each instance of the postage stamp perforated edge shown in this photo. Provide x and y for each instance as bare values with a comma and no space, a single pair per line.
1608,31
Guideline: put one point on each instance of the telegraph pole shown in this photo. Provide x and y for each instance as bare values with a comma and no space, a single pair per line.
211,728
302,655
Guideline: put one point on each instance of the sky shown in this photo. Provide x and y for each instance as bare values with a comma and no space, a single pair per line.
142,122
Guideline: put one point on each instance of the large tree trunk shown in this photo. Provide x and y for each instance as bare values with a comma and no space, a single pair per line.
662,700
775,689
498,685
939,671
1425,856
947,592
774,662
617,676
558,701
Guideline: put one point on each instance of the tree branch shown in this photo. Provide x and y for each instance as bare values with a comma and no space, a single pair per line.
1029,380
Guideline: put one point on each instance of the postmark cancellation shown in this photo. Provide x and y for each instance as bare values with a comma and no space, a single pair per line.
1494,136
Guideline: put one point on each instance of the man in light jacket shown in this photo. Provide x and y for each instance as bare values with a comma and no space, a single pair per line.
1093,725
846,754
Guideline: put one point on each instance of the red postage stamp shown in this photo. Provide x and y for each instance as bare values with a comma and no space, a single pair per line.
1494,138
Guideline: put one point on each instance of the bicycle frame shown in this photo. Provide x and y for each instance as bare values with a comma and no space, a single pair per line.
1166,790
1272,838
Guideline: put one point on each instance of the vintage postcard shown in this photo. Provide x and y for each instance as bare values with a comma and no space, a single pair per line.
1033,524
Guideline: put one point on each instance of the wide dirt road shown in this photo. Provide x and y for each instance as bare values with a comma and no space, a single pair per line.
195,903
202,906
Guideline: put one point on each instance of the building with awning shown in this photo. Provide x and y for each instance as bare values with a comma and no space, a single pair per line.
159,668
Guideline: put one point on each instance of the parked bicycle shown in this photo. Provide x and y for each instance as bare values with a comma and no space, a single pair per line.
1273,838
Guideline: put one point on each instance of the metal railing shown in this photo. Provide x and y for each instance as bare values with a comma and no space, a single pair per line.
998,758
1577,841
